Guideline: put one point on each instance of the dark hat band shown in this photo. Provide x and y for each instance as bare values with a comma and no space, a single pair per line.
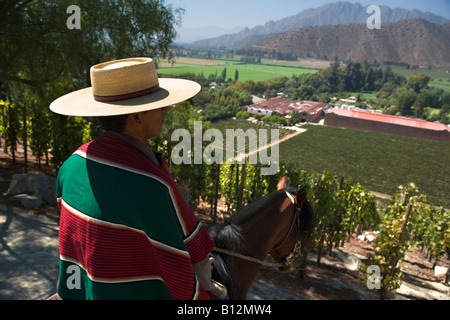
126,96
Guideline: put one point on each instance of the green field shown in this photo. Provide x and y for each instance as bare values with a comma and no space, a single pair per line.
444,85
365,94
255,72
380,162
433,74
439,78
273,69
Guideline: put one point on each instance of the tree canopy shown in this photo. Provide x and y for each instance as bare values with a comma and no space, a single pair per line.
37,46
41,58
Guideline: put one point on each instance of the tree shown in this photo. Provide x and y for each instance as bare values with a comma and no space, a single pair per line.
444,114
332,76
405,100
426,98
38,46
224,75
417,82
305,92
353,77
39,52
370,80
387,74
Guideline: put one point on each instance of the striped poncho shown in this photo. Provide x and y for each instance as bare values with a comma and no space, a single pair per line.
125,231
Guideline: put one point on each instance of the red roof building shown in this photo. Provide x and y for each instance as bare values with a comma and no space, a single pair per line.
384,123
309,110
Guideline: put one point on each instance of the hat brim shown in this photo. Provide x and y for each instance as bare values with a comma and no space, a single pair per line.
81,103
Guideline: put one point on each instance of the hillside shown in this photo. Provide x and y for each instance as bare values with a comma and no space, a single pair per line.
338,13
412,41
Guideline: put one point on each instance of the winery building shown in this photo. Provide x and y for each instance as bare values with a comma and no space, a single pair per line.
369,121
310,111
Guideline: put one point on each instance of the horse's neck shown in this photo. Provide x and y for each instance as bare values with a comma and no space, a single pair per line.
260,231
257,241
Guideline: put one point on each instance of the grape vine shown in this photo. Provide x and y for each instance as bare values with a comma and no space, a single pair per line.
408,221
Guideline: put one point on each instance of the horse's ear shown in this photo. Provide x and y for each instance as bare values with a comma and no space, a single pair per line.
302,196
282,183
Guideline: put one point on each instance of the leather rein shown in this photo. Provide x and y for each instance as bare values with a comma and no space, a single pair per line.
290,258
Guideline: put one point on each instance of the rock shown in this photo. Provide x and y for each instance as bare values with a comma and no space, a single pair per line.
33,186
348,260
440,271
28,201
367,236
352,262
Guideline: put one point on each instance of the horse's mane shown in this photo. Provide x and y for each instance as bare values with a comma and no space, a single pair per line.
220,235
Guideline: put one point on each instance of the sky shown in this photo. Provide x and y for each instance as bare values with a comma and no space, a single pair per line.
230,14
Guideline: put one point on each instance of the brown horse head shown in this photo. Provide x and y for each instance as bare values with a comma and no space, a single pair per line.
276,224
295,231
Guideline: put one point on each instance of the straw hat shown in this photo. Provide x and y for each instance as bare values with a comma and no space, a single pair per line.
123,87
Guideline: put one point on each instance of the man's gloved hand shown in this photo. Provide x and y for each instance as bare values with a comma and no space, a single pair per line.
219,291
203,272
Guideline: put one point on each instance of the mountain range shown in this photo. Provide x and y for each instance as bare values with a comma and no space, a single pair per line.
413,41
339,13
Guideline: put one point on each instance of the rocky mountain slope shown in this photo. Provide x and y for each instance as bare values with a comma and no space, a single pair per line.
413,41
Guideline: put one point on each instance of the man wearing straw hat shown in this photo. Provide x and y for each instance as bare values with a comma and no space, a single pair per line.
125,230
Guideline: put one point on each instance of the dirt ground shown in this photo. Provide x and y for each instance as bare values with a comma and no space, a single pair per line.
332,281
29,259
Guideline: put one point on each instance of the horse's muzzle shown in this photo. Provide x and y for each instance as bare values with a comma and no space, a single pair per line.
288,268
291,261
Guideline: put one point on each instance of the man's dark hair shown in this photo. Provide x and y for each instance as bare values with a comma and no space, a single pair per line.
114,123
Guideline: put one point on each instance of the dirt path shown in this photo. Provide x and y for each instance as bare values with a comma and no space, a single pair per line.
29,252
270,145
381,195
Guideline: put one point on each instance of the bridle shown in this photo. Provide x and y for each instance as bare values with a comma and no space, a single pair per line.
296,252
288,261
